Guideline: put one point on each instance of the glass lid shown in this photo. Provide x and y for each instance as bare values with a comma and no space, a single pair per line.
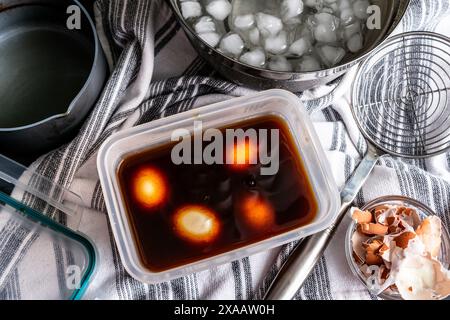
42,255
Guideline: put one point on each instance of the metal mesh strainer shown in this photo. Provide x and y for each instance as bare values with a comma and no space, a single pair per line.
401,103
401,95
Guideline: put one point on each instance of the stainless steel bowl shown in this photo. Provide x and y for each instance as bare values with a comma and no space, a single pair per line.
392,12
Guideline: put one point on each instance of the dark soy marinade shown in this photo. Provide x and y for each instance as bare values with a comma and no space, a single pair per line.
238,205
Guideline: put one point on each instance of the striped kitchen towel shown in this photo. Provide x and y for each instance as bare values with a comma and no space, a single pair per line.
155,72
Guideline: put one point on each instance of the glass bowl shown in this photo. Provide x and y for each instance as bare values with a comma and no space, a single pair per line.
423,212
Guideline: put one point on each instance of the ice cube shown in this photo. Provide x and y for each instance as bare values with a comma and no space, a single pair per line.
350,30
219,9
333,6
191,9
360,9
347,16
205,24
291,23
268,25
313,3
308,63
331,55
276,44
280,63
355,43
328,6
291,9
232,44
308,21
325,27
300,47
326,10
244,22
255,57
322,33
304,32
211,38
254,36
344,4
326,18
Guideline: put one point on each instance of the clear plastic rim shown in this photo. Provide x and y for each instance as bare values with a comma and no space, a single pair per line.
114,211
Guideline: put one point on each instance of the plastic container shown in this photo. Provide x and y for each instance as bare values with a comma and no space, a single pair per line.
279,103
423,212
42,254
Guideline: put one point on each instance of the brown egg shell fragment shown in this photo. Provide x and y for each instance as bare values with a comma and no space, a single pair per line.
383,249
382,215
390,221
357,244
402,241
373,229
383,274
386,248
373,244
373,259
361,216
379,210
372,247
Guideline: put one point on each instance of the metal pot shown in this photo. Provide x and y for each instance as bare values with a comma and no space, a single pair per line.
391,12
51,74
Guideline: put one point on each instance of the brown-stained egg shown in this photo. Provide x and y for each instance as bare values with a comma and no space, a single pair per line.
196,224
150,187
257,213
240,155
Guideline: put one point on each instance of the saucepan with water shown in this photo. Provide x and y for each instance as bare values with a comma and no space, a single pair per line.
52,71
